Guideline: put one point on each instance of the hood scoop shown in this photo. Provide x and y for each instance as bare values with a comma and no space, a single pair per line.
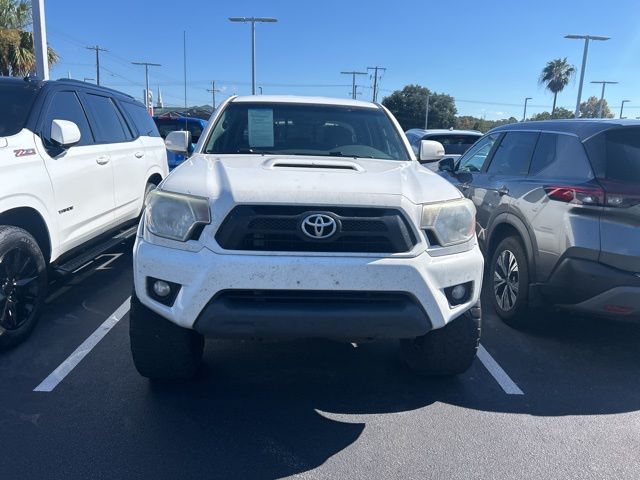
314,164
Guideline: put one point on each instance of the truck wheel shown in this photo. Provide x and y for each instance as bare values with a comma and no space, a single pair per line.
162,350
509,283
23,285
449,350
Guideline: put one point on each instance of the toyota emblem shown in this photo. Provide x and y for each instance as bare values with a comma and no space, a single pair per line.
319,226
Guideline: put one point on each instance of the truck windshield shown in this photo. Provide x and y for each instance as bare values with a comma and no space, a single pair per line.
16,100
300,129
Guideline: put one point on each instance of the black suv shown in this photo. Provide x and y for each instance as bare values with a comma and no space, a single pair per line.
558,215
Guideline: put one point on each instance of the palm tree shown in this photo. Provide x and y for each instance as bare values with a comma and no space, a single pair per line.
17,57
555,76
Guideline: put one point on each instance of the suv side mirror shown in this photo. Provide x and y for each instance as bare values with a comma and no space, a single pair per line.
430,151
65,133
178,142
447,165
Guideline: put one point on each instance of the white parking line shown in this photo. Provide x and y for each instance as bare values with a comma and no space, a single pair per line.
52,381
496,371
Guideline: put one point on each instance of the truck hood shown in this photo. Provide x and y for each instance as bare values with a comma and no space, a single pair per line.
302,179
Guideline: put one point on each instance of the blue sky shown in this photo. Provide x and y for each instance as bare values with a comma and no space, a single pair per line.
488,54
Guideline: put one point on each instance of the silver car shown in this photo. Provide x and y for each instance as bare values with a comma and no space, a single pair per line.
558,215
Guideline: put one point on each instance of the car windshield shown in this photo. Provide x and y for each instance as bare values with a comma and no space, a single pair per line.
16,100
300,129
455,144
616,154
168,125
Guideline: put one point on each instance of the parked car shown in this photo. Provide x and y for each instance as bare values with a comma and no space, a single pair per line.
194,126
304,217
558,215
455,142
76,162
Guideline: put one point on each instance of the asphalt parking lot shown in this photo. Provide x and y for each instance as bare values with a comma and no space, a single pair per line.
560,401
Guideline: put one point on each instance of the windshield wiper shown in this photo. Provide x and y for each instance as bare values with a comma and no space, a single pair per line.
252,151
340,154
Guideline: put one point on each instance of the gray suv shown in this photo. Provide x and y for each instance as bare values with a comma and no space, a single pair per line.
558,215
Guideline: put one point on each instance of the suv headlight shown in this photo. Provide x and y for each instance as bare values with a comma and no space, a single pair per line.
174,215
450,222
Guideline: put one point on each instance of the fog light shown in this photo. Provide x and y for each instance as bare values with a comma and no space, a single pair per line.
161,288
459,292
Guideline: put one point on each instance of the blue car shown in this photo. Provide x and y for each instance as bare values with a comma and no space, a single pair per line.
172,124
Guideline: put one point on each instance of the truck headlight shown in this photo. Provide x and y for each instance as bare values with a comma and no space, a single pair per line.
175,216
450,222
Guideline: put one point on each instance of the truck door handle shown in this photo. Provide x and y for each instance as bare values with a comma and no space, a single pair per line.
102,160
503,191
139,154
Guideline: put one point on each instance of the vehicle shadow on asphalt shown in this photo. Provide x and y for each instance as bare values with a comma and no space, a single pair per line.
268,410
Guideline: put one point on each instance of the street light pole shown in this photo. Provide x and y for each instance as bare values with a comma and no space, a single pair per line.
622,106
146,80
253,21
524,115
40,39
586,39
604,84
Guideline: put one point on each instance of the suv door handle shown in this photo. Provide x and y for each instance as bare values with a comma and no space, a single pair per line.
139,154
102,160
503,190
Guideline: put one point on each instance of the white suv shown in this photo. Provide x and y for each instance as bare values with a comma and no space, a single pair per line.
304,218
75,161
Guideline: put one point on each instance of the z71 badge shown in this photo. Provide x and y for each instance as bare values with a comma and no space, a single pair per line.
24,152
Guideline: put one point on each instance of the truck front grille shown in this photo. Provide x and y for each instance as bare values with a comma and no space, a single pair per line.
279,229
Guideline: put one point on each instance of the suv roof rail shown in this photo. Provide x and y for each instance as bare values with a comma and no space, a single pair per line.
92,85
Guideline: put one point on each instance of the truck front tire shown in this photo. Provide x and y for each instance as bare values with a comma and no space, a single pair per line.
162,350
449,350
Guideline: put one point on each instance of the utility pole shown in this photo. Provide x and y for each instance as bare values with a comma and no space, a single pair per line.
40,39
426,113
375,80
622,106
524,115
253,21
604,84
97,50
213,91
146,79
353,82
586,39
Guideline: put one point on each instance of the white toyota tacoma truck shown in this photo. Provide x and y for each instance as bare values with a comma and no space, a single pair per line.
303,217
76,161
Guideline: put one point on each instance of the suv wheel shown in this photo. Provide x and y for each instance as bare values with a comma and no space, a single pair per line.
449,350
23,285
509,282
162,350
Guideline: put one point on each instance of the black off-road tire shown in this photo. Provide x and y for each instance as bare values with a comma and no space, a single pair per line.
162,350
518,314
449,350
23,285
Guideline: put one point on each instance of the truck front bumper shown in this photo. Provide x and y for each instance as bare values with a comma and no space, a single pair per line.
248,296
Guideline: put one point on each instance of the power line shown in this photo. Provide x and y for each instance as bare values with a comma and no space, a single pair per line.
375,80
353,83
213,91
97,50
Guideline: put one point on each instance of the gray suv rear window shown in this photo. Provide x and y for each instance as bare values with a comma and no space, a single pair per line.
560,156
615,154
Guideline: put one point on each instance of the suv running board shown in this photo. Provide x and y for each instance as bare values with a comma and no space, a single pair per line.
76,262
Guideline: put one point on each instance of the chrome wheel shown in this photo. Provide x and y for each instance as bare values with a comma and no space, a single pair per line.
20,288
506,280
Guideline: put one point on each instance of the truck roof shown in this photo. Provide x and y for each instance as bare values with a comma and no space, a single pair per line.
304,100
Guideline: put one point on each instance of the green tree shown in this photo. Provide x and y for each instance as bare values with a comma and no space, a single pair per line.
408,106
555,76
17,56
591,107
560,112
